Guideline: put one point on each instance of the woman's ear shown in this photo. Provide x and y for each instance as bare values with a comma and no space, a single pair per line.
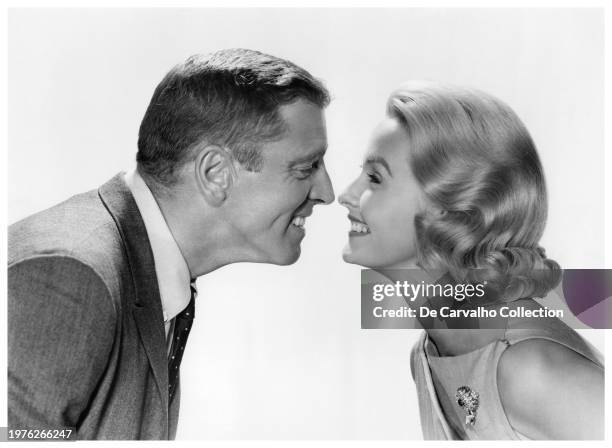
214,174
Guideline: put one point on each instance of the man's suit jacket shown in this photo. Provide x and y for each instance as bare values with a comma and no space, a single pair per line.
86,340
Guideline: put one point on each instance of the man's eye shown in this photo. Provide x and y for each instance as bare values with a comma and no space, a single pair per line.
313,166
305,171
308,170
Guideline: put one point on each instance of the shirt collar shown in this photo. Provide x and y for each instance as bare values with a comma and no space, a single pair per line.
170,266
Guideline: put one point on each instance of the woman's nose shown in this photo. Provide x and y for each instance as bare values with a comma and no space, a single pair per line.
348,198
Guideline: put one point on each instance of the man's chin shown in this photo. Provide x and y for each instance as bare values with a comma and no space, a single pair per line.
287,258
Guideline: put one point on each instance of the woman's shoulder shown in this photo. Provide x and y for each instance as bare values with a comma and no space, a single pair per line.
546,388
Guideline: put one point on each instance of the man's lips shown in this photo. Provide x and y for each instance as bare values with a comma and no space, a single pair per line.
303,215
299,219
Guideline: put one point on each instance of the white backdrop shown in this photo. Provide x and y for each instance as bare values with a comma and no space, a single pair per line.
277,352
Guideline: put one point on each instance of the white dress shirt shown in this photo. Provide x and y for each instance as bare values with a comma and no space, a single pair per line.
170,267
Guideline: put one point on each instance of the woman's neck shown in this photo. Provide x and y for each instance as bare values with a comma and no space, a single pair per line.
457,335
457,341
454,342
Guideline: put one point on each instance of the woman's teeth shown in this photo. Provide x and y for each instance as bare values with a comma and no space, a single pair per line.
299,221
359,227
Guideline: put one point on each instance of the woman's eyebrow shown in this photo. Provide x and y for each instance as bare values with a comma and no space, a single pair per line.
379,160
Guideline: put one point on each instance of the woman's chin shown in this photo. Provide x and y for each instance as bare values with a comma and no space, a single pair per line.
352,258
347,255
371,262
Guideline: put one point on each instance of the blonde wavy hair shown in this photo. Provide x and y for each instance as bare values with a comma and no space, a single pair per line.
483,181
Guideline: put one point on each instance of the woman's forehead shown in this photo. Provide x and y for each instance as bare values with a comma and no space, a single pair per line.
390,141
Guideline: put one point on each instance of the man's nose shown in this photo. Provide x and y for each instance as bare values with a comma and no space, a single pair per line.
323,191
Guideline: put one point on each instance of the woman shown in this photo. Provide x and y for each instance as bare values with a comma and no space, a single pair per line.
452,183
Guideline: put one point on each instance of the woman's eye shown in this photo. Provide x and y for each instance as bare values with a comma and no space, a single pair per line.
373,178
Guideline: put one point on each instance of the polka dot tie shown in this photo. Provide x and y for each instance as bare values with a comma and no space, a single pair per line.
182,326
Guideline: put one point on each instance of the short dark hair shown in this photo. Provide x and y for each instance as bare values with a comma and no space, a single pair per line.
230,98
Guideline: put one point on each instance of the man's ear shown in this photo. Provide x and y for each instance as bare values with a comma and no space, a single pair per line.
214,173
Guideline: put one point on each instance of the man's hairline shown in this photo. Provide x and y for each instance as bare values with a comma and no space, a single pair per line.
166,188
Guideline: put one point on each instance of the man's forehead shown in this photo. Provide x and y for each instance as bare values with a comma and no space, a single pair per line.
309,155
306,135
296,111
292,152
303,118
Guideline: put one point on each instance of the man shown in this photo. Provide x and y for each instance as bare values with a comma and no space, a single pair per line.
229,165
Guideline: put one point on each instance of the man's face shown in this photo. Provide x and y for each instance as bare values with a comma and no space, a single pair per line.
268,208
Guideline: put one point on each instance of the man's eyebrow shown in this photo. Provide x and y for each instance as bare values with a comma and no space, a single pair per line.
379,160
310,157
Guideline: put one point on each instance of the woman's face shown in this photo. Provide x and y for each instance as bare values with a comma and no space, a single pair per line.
382,203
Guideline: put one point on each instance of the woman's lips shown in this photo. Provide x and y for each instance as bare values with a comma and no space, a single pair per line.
358,227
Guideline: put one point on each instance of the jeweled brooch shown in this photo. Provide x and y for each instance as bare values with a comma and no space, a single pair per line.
468,400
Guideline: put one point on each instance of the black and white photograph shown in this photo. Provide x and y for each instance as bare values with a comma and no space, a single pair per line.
198,198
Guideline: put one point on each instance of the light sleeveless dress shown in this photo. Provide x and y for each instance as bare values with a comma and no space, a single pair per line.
438,378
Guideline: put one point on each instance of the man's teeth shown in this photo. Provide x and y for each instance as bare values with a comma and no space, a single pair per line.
359,227
298,221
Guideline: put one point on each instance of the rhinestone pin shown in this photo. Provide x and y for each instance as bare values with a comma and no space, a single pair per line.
469,401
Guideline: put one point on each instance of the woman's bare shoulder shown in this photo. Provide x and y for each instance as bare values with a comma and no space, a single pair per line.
549,391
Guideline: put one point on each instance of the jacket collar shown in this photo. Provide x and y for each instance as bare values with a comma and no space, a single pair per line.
170,266
147,309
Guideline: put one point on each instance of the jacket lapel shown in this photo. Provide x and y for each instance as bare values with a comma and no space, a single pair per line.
147,309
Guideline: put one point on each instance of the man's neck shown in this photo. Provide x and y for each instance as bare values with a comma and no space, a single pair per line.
202,233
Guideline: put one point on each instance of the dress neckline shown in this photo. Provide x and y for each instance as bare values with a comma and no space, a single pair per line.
432,351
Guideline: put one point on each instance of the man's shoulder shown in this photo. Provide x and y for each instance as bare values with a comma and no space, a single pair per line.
80,228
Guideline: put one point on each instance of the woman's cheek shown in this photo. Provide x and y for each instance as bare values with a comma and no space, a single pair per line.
366,198
367,202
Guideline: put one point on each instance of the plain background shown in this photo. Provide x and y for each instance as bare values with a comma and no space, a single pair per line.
277,352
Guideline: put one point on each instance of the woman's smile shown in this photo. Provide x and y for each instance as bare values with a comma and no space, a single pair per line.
382,202
358,227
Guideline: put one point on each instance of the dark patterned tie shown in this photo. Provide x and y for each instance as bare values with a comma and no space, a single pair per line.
182,326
